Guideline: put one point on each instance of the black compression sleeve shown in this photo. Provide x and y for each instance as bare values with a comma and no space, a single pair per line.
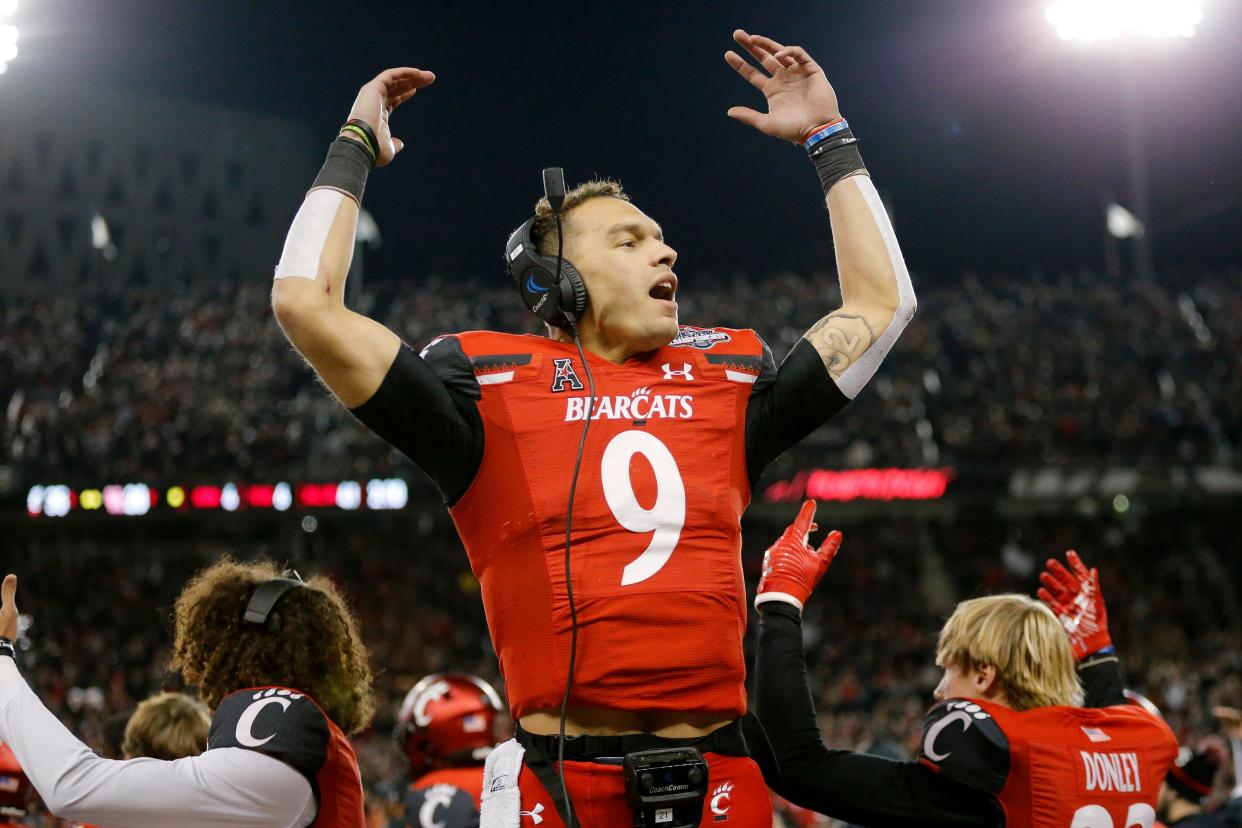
1102,682
854,787
432,420
801,399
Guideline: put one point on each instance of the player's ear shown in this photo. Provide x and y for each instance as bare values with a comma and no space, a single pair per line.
987,681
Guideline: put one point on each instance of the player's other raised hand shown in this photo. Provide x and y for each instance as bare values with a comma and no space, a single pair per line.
380,96
799,95
1074,595
791,566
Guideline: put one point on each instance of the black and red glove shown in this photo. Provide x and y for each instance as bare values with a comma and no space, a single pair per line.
1076,599
791,566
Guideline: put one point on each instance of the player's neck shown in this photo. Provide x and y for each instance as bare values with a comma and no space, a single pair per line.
614,351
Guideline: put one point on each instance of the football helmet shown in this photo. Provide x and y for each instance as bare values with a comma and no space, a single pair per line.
448,719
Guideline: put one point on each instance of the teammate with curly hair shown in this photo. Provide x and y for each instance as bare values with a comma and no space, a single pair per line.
283,666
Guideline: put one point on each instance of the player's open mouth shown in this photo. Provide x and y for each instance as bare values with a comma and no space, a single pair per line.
665,289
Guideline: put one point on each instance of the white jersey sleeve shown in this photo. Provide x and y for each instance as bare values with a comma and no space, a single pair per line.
224,788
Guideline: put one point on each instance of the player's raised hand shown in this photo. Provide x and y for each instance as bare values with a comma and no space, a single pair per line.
799,95
1074,595
380,96
791,566
8,607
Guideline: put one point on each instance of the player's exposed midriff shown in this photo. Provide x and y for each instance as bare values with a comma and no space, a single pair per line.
598,721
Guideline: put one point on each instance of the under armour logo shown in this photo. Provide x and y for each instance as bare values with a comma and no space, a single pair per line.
565,374
533,813
684,373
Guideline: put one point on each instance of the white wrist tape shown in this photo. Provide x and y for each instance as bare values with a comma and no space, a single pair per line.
308,234
783,597
860,373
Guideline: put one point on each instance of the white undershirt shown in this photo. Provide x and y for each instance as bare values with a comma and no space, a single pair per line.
220,788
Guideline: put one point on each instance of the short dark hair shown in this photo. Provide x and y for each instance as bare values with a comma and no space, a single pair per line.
317,649
543,231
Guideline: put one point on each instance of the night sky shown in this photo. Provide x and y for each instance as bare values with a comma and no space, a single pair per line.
994,143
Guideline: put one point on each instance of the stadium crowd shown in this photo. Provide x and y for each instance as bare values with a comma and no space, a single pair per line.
1064,370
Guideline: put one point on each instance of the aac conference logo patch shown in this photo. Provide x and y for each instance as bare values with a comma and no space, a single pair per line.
701,338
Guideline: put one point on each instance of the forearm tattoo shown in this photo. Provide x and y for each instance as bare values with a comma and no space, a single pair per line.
840,338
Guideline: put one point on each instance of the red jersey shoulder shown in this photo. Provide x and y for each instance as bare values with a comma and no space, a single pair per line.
963,742
487,357
737,354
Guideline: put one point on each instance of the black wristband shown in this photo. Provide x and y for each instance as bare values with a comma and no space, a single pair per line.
7,648
368,133
836,158
345,168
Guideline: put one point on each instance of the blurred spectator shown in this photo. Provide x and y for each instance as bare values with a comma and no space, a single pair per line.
167,726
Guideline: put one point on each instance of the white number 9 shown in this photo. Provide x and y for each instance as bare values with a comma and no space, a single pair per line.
666,518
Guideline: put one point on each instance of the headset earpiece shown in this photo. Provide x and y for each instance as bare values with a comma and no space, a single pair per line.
555,302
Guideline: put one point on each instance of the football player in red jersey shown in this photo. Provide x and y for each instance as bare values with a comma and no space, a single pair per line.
618,622
281,662
1009,742
447,727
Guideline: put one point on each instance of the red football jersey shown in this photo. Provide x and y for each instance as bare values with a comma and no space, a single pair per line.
1055,767
655,554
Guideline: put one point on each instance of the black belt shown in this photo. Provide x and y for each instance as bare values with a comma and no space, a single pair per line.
730,740
727,741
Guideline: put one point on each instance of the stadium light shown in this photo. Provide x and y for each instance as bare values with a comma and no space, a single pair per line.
1092,20
1122,224
8,36
8,44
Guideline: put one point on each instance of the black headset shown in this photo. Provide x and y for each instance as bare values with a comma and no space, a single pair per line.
550,285
263,601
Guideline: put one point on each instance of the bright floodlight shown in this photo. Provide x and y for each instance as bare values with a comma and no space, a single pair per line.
1110,19
1122,224
7,7
8,43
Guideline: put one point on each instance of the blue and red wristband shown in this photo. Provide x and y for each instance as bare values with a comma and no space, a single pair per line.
822,132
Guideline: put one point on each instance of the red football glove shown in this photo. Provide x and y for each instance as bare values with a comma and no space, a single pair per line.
1075,598
791,567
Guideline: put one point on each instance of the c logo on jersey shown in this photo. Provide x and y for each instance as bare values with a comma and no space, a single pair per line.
720,801
436,797
245,724
565,374
964,713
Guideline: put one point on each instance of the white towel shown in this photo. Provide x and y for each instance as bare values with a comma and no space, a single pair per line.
502,801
